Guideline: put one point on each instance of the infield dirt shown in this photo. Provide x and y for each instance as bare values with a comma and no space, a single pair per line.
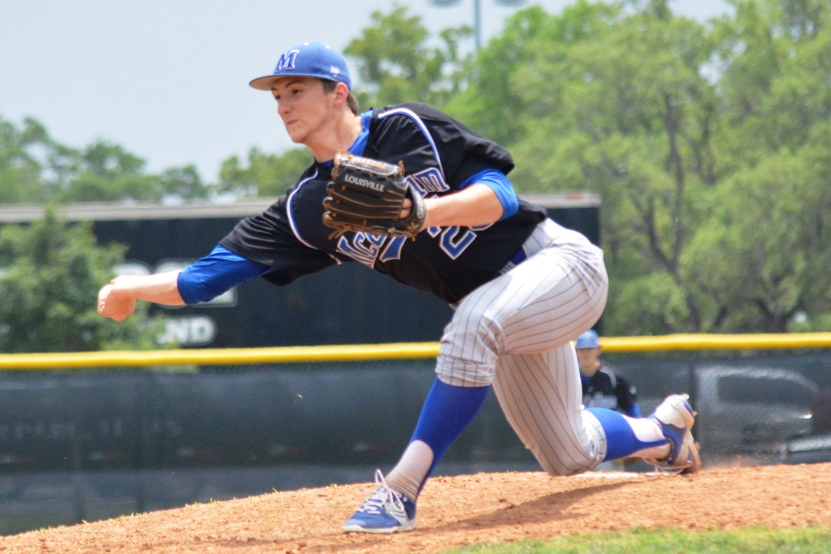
455,511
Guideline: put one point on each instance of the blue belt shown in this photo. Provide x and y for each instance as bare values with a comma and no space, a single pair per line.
519,257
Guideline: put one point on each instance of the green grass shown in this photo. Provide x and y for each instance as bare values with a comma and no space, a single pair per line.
756,540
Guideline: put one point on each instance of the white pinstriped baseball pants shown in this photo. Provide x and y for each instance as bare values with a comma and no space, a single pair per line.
517,331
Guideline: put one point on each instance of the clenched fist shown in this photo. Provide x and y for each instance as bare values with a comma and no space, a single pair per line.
113,303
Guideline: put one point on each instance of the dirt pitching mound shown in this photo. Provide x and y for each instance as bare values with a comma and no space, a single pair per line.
455,511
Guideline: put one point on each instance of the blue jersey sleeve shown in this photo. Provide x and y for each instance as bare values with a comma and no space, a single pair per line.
218,272
501,185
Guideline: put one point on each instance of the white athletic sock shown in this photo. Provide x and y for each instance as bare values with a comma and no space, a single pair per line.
408,474
649,430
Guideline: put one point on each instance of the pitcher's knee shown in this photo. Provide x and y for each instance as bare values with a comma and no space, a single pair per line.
461,373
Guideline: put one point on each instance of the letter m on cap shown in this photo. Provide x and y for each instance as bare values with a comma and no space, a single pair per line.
287,61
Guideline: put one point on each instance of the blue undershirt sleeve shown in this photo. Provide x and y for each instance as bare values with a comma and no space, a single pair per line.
218,272
501,185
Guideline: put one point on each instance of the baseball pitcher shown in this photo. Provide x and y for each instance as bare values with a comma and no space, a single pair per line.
408,191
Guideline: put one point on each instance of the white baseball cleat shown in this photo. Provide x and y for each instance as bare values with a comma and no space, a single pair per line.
676,418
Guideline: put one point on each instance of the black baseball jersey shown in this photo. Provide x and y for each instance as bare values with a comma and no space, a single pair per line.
607,389
438,155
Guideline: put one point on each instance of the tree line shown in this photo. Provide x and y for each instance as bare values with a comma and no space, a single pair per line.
708,143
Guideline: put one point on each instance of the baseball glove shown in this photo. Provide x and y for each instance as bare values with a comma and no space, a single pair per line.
367,195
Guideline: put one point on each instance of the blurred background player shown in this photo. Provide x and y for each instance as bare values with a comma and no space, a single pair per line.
603,387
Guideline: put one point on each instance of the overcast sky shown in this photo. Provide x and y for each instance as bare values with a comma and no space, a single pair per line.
168,79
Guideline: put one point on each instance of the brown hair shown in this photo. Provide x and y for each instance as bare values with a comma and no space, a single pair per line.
351,101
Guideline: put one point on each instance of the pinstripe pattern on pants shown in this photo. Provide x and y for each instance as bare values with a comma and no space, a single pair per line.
517,331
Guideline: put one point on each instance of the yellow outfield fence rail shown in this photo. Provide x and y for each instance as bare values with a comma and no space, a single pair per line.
761,341
221,356
389,351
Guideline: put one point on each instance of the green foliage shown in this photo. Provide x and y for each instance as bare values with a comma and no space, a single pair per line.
35,168
646,305
518,77
181,183
774,192
20,171
106,172
51,273
396,64
264,175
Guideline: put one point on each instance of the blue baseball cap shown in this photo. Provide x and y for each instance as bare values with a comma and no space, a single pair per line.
310,59
589,339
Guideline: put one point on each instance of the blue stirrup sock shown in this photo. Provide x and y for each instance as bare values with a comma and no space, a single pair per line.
621,439
447,411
